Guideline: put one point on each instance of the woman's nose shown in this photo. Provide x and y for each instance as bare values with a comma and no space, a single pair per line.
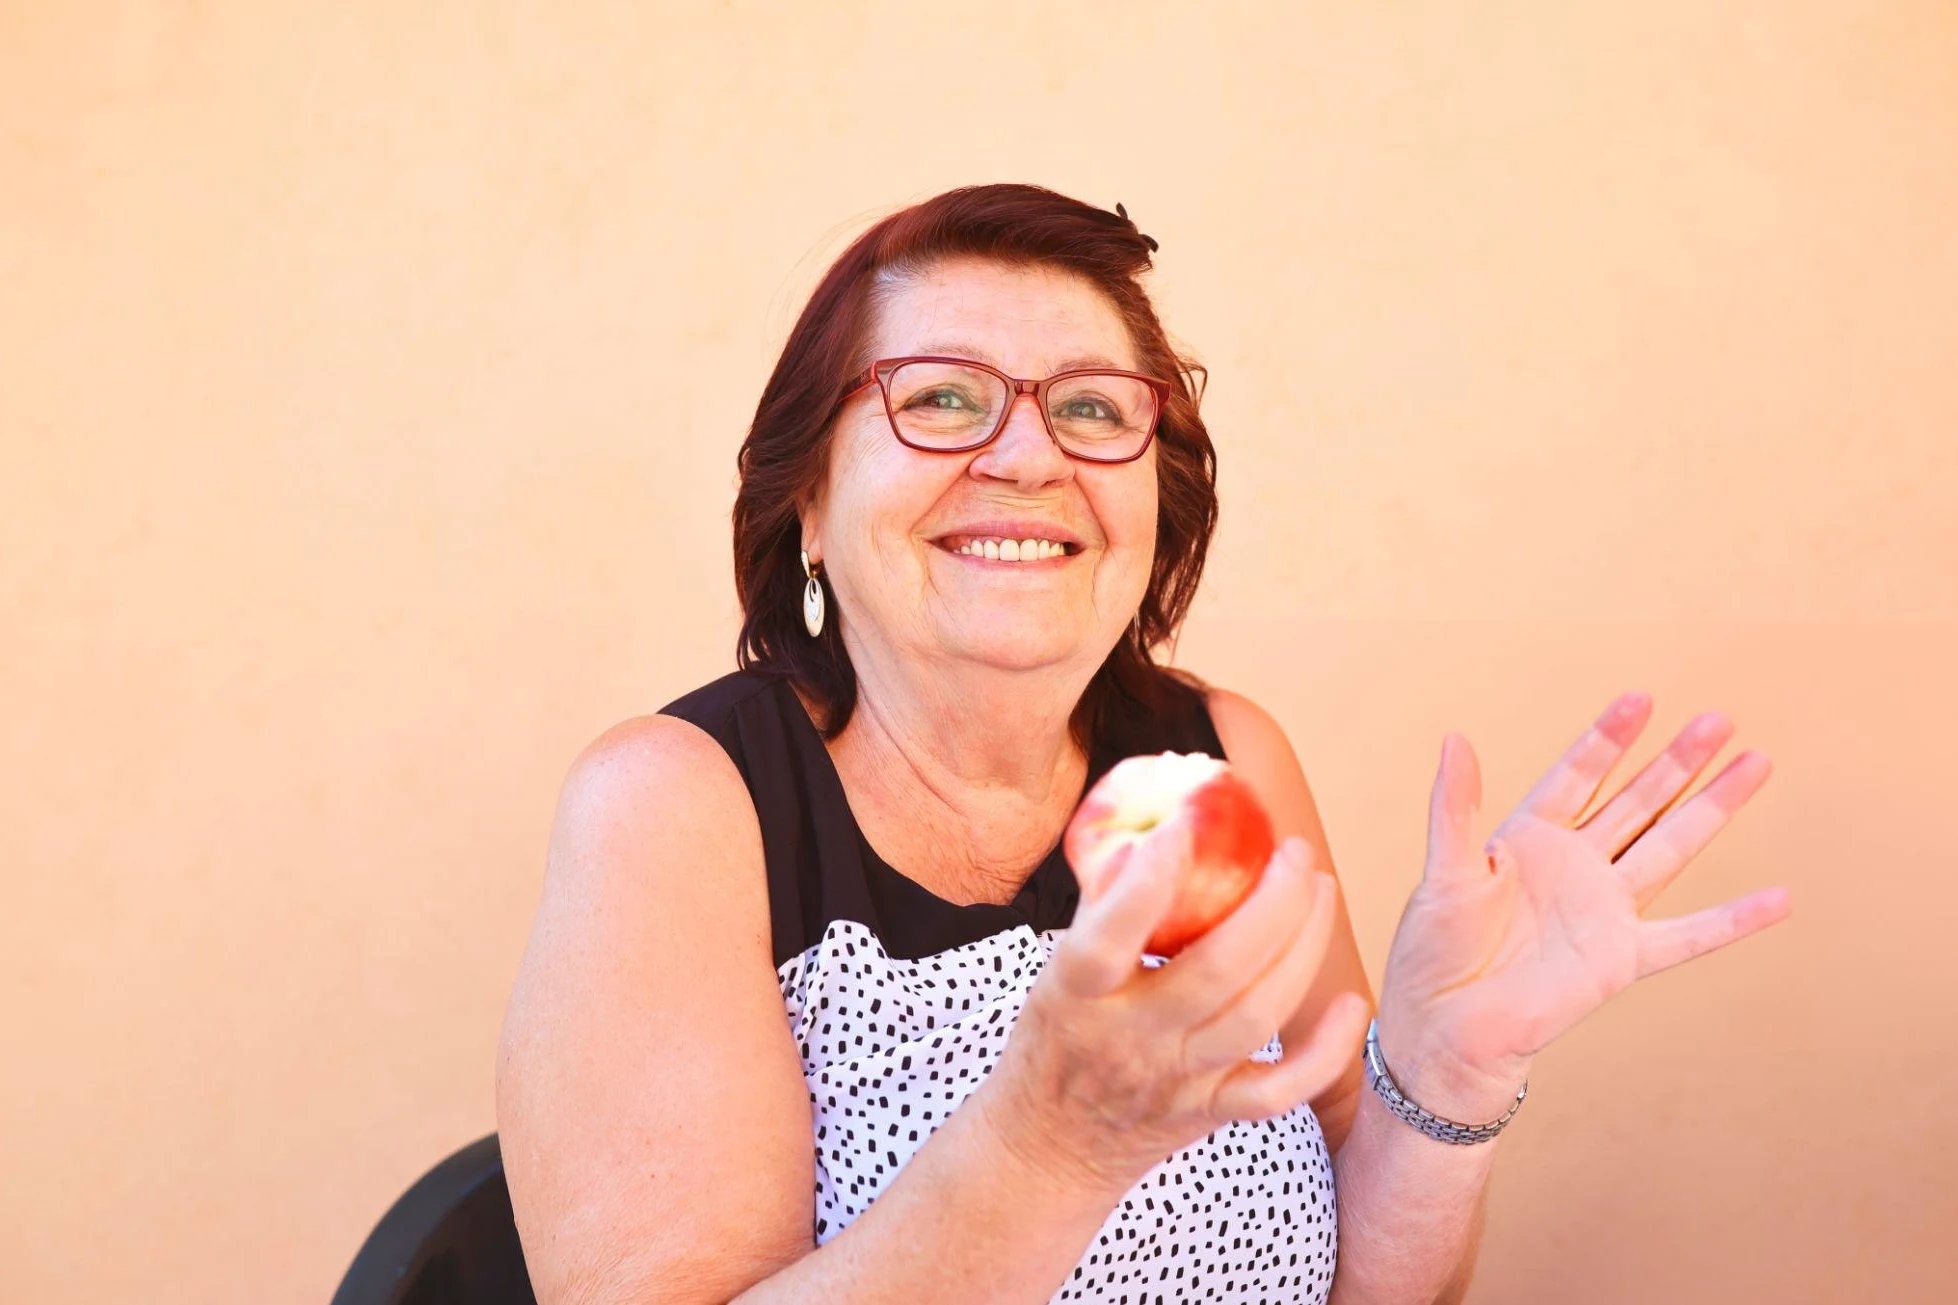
1024,451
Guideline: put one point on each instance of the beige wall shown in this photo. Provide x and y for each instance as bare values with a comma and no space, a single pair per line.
370,379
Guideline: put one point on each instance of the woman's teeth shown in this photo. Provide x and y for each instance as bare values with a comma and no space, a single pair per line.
1012,550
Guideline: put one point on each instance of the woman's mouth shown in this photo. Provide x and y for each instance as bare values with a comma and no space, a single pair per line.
992,548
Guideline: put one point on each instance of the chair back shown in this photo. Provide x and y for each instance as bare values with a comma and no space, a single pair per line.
449,1240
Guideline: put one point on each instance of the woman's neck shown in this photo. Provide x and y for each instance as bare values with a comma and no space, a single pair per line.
961,777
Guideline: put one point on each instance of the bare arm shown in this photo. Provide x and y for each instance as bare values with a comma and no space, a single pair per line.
655,1122
651,1107
1411,1209
1396,1187
1257,747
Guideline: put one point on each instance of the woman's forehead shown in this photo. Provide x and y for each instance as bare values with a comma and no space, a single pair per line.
1026,320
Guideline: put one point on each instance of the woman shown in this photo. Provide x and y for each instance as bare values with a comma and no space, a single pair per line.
809,1011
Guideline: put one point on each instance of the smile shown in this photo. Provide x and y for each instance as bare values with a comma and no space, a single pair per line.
992,549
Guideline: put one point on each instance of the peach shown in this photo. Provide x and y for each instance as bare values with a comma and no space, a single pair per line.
1231,837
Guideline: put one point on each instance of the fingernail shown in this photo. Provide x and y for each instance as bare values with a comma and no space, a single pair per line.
1709,724
1629,705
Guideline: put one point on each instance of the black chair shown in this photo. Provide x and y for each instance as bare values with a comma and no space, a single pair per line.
449,1240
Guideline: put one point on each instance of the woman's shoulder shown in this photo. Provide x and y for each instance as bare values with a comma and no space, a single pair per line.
1249,735
1238,719
1256,744
688,753
1200,716
641,770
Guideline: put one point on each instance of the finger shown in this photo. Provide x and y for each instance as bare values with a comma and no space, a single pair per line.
1663,944
1103,948
1657,857
1252,1018
1256,1090
1568,787
1618,823
1452,805
1212,970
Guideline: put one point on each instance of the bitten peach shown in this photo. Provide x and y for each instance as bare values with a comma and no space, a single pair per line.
1231,837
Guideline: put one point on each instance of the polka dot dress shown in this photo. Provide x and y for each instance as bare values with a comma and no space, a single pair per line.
891,1047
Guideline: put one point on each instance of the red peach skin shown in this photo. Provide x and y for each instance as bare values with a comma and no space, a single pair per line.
1231,841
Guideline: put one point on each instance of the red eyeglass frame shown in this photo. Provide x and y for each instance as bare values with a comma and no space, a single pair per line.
875,374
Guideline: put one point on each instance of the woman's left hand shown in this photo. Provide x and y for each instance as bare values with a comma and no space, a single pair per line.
1505,946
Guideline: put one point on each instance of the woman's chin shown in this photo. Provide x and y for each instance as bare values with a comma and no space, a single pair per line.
1015,645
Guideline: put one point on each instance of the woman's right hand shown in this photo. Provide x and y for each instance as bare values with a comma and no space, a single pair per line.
1112,1066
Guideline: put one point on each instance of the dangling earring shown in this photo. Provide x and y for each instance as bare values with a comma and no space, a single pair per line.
812,599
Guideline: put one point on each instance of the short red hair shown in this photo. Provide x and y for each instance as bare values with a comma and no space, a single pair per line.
785,457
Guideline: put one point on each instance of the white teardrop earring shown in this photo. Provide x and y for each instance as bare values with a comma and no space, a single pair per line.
812,599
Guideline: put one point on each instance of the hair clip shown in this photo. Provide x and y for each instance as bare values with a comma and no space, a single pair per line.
1123,214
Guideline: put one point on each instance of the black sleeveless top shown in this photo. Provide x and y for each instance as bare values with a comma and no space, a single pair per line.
822,869
899,1002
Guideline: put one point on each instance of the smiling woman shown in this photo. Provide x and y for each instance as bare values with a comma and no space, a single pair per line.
883,518
995,282
813,1007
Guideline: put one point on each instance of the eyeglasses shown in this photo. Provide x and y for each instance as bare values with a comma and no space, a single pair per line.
955,405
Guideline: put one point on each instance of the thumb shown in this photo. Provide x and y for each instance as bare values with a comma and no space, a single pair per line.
1452,808
1104,947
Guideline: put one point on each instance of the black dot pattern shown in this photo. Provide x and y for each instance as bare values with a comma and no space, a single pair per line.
891,1047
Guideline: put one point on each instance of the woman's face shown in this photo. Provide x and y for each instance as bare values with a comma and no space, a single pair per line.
892,519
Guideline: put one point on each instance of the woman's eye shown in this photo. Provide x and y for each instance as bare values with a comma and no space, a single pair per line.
1087,410
948,400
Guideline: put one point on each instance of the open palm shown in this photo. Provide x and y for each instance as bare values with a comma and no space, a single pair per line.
1507,944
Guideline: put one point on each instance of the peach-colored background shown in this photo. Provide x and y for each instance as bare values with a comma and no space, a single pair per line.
370,380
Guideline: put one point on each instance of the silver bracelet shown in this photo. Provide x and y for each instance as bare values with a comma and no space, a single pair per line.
1441,1130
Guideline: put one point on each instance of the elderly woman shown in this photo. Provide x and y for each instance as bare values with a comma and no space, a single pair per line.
813,1009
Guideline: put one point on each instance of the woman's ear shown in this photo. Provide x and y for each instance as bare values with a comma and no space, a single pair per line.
809,518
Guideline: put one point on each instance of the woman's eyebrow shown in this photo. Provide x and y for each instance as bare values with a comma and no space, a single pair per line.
956,349
960,349
1087,360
